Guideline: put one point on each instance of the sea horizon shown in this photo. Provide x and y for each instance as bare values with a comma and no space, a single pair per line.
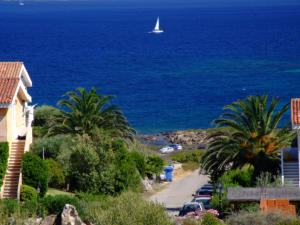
208,56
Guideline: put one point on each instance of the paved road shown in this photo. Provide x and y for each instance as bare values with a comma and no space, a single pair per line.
180,191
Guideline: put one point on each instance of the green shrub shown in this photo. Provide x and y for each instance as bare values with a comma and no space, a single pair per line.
125,170
30,208
28,193
35,172
127,209
56,174
154,165
295,222
140,162
84,174
194,156
210,219
105,168
90,197
190,221
52,145
4,152
44,118
13,212
241,178
259,218
266,179
232,178
55,204
10,206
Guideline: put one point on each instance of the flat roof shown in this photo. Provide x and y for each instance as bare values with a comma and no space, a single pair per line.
256,194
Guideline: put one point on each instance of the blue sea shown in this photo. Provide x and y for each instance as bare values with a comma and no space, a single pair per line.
208,56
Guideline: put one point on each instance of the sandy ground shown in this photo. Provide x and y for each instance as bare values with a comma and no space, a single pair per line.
180,190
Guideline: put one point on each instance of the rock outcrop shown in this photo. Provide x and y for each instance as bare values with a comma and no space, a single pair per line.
146,184
49,220
70,216
197,137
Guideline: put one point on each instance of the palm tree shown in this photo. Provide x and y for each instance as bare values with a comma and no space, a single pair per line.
251,134
87,112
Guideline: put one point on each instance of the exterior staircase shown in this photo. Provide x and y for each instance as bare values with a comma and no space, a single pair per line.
291,173
13,169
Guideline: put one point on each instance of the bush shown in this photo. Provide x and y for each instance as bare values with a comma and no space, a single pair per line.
55,204
28,193
232,178
52,145
210,219
259,218
240,178
4,152
184,157
127,209
35,172
90,197
10,206
56,174
154,165
140,162
44,118
104,168
266,179
84,162
125,170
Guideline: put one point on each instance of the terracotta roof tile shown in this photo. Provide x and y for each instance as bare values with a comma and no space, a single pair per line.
295,113
9,79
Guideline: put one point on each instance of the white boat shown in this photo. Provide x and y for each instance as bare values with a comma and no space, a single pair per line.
21,3
156,28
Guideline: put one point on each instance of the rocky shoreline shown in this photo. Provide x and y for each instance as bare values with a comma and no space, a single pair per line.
183,137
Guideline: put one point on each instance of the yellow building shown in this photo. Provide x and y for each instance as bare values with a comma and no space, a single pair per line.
15,122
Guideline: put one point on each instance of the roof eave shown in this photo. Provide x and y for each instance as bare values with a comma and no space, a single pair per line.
25,75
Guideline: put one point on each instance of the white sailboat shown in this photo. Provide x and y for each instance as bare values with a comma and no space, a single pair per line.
156,28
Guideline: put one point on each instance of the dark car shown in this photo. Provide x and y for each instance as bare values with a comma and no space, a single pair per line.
208,187
190,207
203,191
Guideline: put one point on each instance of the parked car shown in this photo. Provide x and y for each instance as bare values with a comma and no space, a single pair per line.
208,187
176,146
166,150
204,199
190,207
203,191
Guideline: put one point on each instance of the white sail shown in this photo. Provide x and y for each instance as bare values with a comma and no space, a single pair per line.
157,24
156,28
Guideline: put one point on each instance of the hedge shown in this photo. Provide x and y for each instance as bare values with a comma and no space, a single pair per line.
35,172
4,153
28,193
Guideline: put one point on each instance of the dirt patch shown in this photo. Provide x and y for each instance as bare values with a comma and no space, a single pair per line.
180,173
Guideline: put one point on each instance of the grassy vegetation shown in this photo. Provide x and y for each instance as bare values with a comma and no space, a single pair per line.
53,192
190,160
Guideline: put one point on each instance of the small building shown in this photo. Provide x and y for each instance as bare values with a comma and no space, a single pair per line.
15,122
253,195
290,163
270,199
